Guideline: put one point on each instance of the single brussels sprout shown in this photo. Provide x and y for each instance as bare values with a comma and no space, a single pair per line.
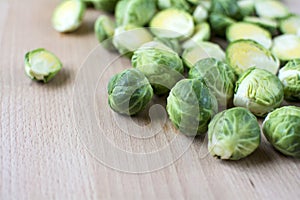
172,23
282,129
106,5
258,90
128,38
233,134
200,14
160,64
246,7
104,28
191,106
179,4
129,92
171,43
202,50
228,8
244,54
41,65
286,47
137,12
271,9
68,15
290,24
289,75
244,30
202,33
269,24
219,23
218,77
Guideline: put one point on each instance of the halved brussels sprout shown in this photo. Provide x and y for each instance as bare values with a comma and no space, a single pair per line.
219,23
228,8
106,5
218,77
41,65
179,4
271,9
201,33
104,28
160,64
201,50
290,25
129,92
282,129
137,12
68,15
171,43
286,47
246,7
244,30
258,90
233,134
289,75
191,106
269,24
173,24
244,54
200,14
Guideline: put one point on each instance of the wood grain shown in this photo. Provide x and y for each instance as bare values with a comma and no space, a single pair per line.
41,157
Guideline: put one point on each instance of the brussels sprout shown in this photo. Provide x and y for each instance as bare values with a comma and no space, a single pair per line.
228,8
286,47
219,23
106,5
202,50
41,65
246,7
271,9
173,24
68,15
218,77
244,30
179,4
269,24
233,134
290,25
104,28
200,14
129,92
202,33
130,37
137,12
258,90
171,43
282,129
289,75
160,64
191,106
244,54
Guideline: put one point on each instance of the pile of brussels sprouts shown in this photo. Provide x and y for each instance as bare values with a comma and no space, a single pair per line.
208,90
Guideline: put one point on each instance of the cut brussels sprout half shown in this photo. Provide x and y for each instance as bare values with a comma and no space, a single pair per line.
68,15
130,37
233,134
246,7
289,75
104,28
290,25
202,50
41,65
173,24
269,24
282,129
244,30
258,90
271,9
160,64
218,77
286,47
202,33
244,54
191,106
219,23
106,5
129,92
171,43
137,12
200,14
179,4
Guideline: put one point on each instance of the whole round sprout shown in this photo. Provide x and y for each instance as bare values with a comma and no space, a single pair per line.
104,28
258,90
233,134
160,64
289,75
282,129
191,106
129,92
219,78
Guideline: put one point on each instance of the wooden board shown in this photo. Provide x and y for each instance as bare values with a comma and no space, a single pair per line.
49,152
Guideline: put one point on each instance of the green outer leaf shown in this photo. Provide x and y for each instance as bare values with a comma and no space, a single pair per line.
228,8
106,5
104,28
219,23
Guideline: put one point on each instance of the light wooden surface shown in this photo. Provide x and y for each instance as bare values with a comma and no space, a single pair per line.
41,157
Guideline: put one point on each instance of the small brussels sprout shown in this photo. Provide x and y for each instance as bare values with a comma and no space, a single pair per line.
104,28
233,134
246,7
269,24
244,30
219,23
41,65
68,15
179,4
172,23
271,9
289,75
106,5
160,64
129,92
200,14
202,50
286,47
244,54
191,106
258,90
282,129
202,33
290,25
130,37
137,12
171,43
218,77
228,8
